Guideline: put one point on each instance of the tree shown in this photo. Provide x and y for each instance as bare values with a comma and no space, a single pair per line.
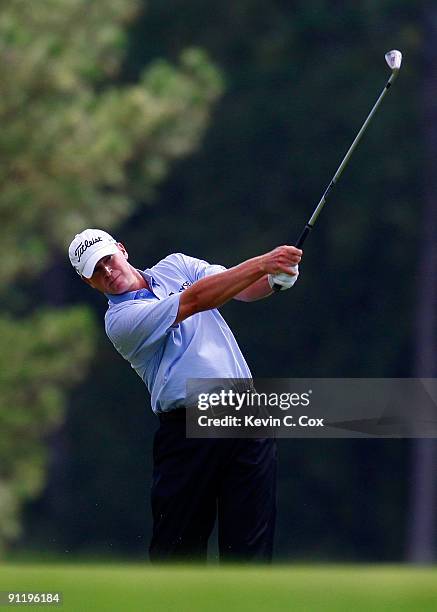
78,149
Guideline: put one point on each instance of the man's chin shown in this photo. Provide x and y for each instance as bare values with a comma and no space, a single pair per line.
117,287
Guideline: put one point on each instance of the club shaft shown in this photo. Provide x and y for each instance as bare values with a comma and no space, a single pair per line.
310,224
312,220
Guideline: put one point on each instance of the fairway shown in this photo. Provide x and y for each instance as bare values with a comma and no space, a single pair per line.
187,589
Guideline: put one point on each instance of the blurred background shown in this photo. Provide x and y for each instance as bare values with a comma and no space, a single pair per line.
213,130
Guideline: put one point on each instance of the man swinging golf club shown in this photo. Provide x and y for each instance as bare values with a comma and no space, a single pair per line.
164,321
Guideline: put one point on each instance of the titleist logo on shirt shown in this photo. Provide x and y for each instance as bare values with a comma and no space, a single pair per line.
181,288
83,246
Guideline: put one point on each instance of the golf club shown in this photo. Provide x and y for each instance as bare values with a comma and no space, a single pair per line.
394,60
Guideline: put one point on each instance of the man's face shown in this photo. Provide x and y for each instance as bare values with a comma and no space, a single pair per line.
113,274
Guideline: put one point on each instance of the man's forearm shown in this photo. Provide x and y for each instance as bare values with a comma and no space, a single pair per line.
218,289
213,291
256,291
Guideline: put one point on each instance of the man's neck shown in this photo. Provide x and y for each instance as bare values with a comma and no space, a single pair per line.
140,282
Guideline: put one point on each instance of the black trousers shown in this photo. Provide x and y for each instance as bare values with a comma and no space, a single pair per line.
196,479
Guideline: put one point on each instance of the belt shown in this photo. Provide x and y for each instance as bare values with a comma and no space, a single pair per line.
177,414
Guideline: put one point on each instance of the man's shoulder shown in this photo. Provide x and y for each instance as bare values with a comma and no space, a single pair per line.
118,314
120,320
173,260
177,266
127,305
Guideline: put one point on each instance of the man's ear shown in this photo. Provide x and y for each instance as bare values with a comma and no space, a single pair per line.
88,281
123,250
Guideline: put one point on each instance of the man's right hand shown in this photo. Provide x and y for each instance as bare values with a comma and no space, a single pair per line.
281,259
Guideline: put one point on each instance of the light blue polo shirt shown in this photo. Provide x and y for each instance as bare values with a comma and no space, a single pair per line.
140,326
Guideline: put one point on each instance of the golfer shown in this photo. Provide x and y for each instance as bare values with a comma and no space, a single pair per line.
164,321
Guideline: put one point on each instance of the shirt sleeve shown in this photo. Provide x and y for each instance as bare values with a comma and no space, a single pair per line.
195,269
141,325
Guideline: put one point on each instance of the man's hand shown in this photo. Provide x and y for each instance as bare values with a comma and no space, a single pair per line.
283,255
285,260
284,280
281,259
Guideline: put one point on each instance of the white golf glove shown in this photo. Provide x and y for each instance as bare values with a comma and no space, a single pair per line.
285,280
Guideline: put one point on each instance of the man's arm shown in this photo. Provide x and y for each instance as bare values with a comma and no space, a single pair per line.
257,291
263,287
213,291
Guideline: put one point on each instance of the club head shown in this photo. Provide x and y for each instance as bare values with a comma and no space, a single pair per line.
393,59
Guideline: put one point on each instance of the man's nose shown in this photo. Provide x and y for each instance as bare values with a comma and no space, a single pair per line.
107,269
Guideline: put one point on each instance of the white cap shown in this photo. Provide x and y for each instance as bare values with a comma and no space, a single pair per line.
88,247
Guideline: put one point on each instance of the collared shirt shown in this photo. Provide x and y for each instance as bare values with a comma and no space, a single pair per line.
140,324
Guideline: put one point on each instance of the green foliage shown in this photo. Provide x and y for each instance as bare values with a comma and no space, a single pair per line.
35,371
78,149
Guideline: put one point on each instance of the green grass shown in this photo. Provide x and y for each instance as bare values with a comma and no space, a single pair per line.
127,587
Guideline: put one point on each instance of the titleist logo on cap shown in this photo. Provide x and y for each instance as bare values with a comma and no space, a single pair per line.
83,246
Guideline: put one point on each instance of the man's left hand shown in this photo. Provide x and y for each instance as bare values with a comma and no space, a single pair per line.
285,280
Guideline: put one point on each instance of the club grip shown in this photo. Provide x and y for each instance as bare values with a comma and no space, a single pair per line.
306,230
